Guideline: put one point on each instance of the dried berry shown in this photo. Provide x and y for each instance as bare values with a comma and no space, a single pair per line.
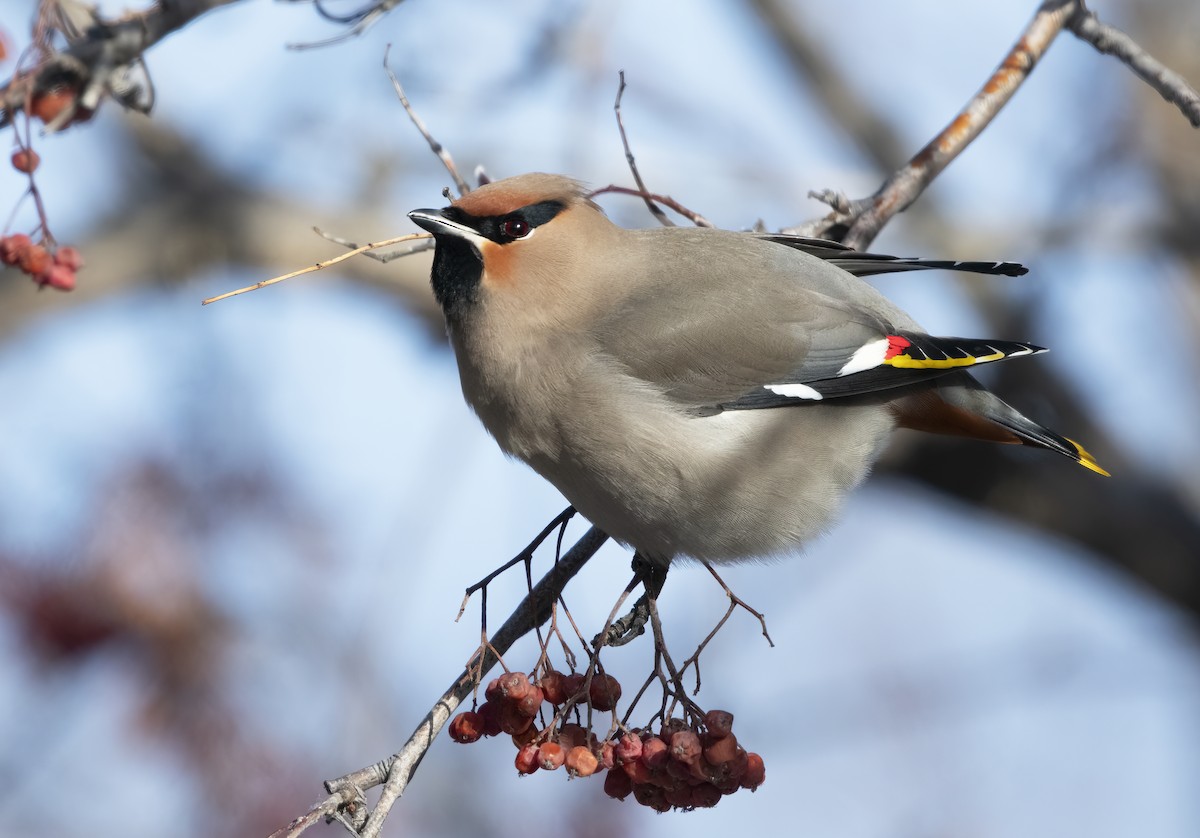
572,736
637,772
617,784
489,712
12,246
514,686
581,762
34,260
527,760
57,276
492,693
719,723
629,747
69,257
530,703
526,736
573,685
722,751
607,756
48,105
756,772
705,796
679,797
651,796
551,756
604,692
552,687
466,727
25,160
512,721
685,746
654,752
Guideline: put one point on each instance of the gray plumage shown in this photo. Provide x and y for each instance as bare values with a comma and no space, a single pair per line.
611,361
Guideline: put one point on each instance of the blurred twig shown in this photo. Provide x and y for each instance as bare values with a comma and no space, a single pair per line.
1112,41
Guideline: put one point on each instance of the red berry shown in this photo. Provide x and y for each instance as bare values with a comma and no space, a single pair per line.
492,693
572,736
489,712
25,160
551,756
705,796
719,723
581,762
57,276
722,751
527,760
685,746
651,796
466,727
526,736
34,260
617,784
756,772
573,684
654,752
552,687
69,257
679,797
629,747
11,247
46,106
605,692
514,686
530,703
607,756
512,720
637,772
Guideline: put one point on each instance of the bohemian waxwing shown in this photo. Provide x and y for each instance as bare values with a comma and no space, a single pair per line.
696,392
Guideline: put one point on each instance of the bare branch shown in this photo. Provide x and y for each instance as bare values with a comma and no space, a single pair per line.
857,223
434,145
654,208
408,250
667,201
318,266
395,771
899,191
359,22
1112,41
98,63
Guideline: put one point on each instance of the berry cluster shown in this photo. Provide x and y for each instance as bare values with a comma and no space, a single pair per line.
683,766
55,268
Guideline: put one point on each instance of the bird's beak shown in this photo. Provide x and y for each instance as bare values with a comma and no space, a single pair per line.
436,222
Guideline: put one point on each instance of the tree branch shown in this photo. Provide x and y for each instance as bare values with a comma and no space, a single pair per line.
899,191
1112,41
394,773
95,64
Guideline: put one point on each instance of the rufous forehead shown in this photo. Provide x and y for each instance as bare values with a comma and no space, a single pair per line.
484,204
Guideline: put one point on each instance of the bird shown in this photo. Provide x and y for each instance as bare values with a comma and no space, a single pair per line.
697,393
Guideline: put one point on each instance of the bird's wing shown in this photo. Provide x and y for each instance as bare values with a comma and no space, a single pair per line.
744,325
867,264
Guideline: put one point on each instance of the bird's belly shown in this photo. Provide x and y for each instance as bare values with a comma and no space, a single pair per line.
733,486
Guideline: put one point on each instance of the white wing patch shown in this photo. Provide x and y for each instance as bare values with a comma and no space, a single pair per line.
866,357
795,390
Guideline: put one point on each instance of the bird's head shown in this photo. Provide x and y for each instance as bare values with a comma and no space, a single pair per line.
513,236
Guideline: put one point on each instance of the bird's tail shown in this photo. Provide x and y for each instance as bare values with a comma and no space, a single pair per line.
961,406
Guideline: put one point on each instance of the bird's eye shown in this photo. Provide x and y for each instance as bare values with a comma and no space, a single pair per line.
515,228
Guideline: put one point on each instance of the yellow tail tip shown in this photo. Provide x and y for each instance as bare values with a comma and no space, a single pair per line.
1087,460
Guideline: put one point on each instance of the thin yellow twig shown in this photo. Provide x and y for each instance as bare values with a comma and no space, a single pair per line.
319,265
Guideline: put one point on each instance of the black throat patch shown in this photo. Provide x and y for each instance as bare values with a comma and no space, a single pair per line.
457,271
